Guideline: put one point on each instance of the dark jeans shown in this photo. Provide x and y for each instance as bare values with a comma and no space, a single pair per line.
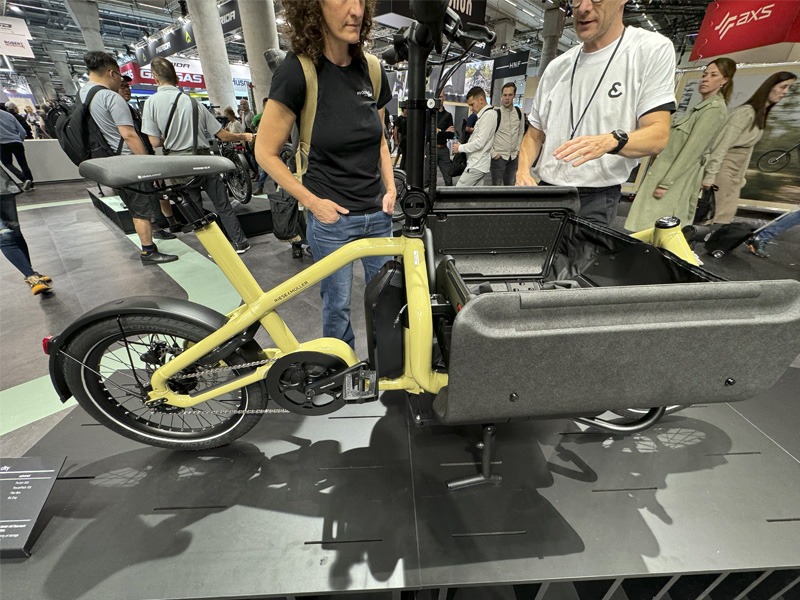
445,164
216,190
12,242
16,150
598,204
504,171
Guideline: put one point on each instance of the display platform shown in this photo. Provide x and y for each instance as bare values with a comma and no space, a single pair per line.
254,217
704,505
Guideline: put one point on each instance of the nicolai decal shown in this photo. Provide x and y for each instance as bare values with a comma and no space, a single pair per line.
748,16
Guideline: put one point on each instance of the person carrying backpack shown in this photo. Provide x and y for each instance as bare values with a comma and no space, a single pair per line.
111,132
347,182
507,138
175,121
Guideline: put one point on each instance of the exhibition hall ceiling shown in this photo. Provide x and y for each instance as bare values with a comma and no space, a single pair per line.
123,23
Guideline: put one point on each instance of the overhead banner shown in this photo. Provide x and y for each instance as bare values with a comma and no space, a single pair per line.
15,27
190,74
735,25
182,39
15,45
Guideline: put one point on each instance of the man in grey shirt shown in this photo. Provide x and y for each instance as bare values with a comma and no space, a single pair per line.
507,138
113,117
177,136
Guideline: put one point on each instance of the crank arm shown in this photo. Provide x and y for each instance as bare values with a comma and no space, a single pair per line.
358,384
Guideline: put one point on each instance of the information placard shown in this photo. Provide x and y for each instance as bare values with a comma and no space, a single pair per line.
25,484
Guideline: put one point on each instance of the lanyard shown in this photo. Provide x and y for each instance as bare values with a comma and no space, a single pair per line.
574,126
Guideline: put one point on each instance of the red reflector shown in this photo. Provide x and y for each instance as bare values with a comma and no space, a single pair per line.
46,344
458,307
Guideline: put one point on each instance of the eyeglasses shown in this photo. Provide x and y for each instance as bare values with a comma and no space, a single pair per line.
577,3
117,73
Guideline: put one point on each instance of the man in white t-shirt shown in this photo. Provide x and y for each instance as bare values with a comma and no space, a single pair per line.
479,147
599,108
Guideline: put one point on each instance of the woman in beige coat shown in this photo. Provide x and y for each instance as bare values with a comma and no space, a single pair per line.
672,184
727,164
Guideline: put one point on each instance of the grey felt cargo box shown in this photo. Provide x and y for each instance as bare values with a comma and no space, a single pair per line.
640,328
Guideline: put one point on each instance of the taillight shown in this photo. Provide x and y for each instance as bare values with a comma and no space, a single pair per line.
46,344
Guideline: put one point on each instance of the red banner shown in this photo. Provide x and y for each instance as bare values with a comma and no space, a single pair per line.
735,25
188,76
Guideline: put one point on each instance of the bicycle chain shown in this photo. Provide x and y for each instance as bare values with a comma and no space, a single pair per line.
255,363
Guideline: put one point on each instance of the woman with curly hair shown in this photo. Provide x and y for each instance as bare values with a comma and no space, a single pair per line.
348,188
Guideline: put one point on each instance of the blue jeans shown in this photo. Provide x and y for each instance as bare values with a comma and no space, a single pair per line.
336,290
12,242
780,225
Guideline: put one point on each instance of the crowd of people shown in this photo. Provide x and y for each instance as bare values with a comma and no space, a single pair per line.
599,108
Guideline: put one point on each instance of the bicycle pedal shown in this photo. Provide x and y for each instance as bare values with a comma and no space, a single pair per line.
360,385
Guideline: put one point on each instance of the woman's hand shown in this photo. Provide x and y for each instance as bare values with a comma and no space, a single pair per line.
658,193
327,211
389,198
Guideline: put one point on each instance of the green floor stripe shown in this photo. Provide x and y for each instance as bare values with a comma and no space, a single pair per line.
51,204
194,272
197,274
28,402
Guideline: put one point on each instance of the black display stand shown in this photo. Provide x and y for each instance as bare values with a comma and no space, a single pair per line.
255,217
703,505
25,484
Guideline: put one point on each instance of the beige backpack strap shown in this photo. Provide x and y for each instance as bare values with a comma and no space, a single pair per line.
306,117
374,74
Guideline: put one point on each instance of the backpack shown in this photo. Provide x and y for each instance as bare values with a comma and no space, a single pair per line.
79,136
519,115
310,106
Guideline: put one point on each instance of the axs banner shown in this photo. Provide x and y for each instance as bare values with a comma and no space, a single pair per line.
734,25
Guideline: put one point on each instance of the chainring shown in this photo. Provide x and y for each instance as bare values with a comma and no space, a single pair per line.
289,377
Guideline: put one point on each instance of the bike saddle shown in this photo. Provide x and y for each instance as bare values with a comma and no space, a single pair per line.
121,171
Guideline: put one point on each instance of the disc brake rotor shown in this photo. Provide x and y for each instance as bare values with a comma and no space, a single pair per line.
289,377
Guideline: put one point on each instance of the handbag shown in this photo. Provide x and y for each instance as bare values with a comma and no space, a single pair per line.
706,205
288,222
459,164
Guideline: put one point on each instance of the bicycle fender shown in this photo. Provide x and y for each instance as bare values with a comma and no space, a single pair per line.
194,313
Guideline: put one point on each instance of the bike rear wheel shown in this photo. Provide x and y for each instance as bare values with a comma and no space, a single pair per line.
240,186
773,161
110,374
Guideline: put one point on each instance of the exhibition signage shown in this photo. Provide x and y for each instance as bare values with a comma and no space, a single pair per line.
14,36
397,13
190,74
182,39
25,484
513,64
734,25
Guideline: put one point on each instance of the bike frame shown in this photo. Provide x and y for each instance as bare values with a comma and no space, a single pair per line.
418,374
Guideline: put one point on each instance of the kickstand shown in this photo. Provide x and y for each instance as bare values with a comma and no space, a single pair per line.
485,476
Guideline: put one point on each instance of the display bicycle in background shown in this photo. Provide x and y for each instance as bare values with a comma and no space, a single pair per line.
773,161
498,304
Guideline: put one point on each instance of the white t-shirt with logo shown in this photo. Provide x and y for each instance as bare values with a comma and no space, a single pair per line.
640,78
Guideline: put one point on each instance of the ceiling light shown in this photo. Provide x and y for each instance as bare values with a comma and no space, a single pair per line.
15,8
237,37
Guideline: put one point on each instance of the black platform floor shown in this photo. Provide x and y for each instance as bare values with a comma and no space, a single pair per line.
357,501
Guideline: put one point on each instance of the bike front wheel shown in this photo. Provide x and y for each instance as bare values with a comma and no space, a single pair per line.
109,374
773,161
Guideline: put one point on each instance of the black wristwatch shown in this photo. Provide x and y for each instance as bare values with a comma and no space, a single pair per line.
622,139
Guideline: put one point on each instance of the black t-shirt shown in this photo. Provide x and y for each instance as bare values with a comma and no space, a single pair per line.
344,163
